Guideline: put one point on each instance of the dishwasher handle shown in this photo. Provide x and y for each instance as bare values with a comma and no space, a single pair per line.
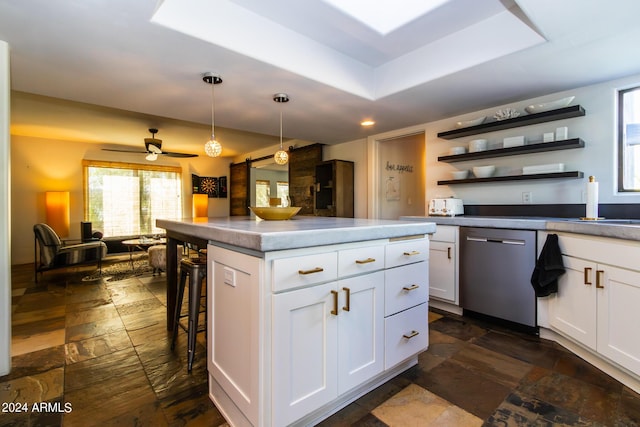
492,240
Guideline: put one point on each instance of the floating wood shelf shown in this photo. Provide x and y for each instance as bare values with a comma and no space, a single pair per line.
528,119
566,144
554,175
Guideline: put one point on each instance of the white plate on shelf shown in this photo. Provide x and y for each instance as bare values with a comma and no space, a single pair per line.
548,106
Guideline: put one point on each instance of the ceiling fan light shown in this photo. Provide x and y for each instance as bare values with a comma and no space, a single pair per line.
281,157
213,147
152,157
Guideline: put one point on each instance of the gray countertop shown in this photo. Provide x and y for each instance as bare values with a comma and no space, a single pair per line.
619,230
298,232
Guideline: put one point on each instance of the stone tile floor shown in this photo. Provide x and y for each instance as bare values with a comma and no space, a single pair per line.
96,353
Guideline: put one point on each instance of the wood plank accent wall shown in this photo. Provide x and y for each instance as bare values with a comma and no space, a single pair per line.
302,166
239,189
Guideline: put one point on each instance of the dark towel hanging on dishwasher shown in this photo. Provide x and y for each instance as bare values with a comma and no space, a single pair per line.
548,268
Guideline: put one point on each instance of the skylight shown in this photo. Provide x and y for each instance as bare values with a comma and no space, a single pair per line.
385,16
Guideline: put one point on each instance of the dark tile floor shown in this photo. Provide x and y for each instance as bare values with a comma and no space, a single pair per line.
97,353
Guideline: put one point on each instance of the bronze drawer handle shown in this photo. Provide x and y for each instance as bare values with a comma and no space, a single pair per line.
347,305
365,261
411,335
411,253
410,288
335,303
315,270
600,279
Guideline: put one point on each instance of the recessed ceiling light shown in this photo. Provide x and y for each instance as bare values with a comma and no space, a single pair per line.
367,123
385,16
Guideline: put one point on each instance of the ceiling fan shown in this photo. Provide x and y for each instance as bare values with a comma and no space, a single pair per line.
153,147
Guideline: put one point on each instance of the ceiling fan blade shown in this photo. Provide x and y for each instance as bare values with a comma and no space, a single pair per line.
184,155
124,151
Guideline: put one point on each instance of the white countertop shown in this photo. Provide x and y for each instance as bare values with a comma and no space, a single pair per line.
298,232
570,225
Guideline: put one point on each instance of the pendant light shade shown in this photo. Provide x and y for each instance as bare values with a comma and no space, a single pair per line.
212,147
281,157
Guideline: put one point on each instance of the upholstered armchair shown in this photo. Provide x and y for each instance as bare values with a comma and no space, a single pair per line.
51,253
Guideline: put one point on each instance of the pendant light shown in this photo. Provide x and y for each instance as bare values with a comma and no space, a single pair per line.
212,147
281,157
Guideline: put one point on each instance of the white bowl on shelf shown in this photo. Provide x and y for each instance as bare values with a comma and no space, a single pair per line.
484,171
474,122
459,174
548,106
457,150
476,145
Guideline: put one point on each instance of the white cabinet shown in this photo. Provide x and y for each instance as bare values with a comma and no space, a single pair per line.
317,327
599,296
573,309
443,264
327,339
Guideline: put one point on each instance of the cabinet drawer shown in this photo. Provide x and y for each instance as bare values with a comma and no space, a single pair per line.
406,252
445,233
294,272
406,334
405,287
360,260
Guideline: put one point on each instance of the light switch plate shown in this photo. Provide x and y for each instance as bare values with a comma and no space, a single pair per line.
229,276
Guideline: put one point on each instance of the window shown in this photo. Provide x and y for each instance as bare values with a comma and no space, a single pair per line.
282,190
124,199
629,140
263,192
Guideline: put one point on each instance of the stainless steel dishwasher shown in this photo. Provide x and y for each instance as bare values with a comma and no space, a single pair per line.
495,273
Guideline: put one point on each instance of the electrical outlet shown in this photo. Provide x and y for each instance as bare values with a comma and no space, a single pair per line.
526,198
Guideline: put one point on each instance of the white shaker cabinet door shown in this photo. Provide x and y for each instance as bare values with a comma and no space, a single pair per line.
361,330
619,315
442,271
573,310
304,351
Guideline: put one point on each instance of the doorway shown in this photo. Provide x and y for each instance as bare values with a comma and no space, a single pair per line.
399,176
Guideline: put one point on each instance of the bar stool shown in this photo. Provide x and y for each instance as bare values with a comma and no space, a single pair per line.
196,269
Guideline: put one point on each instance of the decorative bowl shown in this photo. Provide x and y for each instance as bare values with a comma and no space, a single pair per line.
457,150
483,171
274,212
548,106
473,122
459,174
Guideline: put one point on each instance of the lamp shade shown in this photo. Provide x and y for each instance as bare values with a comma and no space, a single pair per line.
57,206
200,205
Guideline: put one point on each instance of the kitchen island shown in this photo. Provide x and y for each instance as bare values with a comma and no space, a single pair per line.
307,315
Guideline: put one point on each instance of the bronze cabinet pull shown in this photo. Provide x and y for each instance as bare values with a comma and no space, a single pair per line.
600,279
410,288
365,261
449,252
411,334
347,306
587,276
411,253
335,303
315,270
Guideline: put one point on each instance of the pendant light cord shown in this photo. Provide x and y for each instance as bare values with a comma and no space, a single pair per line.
281,127
213,101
